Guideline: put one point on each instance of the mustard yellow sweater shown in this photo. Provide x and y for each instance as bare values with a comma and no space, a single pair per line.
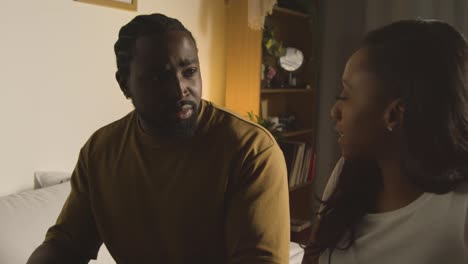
218,197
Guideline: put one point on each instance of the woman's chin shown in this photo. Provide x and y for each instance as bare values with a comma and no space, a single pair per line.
345,154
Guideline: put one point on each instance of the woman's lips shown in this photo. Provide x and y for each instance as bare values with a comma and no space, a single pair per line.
340,136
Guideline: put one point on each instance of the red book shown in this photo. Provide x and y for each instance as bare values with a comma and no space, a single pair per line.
311,168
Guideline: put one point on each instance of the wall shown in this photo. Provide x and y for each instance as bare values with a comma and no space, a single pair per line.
244,54
57,76
382,12
343,27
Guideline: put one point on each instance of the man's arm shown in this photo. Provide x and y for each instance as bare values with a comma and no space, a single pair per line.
257,222
74,238
48,253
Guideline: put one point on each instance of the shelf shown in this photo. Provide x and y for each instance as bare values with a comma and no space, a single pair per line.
301,237
299,186
285,90
296,133
290,12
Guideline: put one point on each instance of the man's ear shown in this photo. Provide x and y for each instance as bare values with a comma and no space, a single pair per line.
123,83
394,115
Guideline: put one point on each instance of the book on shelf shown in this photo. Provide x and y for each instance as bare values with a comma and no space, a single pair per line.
296,170
311,171
300,161
305,166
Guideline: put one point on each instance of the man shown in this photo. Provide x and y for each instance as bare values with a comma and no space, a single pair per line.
178,180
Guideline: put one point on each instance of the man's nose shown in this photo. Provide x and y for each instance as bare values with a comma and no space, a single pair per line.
179,88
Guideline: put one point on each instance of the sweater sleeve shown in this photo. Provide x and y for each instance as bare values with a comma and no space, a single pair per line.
75,229
257,225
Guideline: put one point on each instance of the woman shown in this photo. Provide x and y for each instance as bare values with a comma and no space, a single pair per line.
401,195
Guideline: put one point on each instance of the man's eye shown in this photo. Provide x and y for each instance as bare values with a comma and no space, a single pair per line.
190,72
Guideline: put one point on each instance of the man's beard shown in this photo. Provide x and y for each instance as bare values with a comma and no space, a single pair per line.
169,126
184,128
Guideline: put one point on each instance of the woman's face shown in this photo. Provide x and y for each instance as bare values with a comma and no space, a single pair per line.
359,111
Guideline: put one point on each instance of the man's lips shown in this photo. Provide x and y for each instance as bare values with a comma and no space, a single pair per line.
185,111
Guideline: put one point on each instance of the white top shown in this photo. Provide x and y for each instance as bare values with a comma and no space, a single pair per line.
433,229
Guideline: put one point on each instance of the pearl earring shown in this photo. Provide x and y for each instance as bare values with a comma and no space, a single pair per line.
389,128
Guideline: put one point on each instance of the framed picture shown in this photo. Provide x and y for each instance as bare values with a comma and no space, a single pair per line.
122,4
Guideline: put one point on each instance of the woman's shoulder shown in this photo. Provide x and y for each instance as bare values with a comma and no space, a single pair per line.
460,197
462,189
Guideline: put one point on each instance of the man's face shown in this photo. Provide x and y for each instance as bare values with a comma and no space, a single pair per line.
164,83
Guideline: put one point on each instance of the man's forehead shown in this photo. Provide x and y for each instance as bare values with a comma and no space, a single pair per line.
163,51
154,43
150,44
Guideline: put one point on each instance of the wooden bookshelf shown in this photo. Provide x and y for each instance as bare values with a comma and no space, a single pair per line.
299,186
301,237
285,90
246,92
296,133
290,12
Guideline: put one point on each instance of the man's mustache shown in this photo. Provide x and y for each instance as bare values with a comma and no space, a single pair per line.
180,104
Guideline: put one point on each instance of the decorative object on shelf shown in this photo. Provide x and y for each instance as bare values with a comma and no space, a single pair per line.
272,50
270,73
271,44
275,124
131,5
288,122
291,61
257,10
266,123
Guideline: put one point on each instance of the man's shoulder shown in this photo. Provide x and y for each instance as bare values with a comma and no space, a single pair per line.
111,132
237,127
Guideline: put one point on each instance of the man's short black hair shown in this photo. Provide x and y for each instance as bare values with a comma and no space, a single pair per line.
142,25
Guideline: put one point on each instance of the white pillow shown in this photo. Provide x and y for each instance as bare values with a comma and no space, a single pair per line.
296,253
25,218
44,179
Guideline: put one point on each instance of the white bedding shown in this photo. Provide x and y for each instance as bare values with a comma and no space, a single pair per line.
296,253
25,218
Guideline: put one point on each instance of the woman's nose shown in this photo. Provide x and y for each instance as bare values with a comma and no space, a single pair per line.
335,113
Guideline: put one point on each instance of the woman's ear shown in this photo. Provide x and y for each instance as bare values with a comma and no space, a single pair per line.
123,84
394,115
